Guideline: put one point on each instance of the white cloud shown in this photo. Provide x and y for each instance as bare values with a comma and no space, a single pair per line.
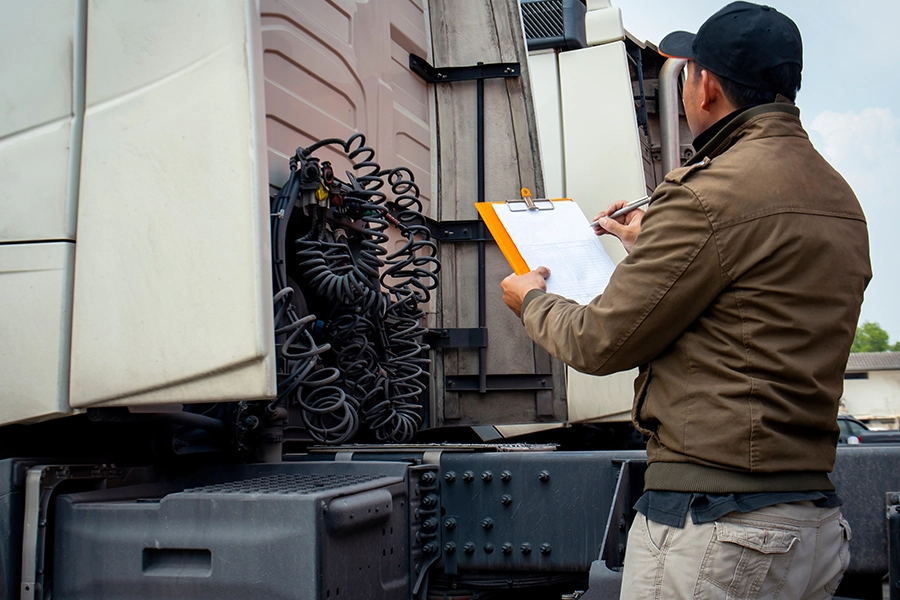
863,140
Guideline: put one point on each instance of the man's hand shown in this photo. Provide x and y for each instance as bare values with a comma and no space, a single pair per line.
626,228
516,286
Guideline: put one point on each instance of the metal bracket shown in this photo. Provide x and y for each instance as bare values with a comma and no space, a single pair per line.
893,515
501,383
40,485
475,337
629,486
477,73
423,69
459,231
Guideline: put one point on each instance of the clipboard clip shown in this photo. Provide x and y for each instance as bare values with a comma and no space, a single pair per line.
528,203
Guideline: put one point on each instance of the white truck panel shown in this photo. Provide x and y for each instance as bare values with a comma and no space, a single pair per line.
36,296
544,69
172,286
37,67
597,108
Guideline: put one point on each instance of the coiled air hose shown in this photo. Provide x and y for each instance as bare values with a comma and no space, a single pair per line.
357,358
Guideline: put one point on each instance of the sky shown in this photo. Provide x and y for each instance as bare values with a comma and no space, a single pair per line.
849,103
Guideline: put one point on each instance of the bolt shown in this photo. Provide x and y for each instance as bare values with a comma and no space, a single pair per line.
487,523
450,547
430,548
895,498
506,548
430,501
430,524
525,548
487,477
450,524
450,476
546,549
488,548
544,476
505,499
469,548
468,476
505,476
428,477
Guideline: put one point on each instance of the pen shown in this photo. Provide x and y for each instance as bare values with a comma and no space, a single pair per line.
625,209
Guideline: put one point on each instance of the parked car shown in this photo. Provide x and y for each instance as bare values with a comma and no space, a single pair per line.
854,431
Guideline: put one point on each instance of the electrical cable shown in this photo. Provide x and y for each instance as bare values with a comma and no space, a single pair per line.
363,358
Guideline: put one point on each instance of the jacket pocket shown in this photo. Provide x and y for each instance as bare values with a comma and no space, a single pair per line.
739,557
641,387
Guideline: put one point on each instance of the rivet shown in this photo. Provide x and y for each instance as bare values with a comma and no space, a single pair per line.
544,476
488,548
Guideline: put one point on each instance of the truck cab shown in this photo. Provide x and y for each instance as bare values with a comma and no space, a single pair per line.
252,337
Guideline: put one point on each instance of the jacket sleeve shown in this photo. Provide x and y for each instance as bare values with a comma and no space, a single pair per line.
672,274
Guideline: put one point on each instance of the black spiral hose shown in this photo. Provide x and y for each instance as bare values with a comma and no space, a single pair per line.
373,367
327,414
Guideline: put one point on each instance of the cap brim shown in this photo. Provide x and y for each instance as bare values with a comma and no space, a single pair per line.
678,44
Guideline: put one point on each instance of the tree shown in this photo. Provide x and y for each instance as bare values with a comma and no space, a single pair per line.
870,337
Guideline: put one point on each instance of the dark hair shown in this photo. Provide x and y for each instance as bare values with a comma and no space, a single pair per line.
785,78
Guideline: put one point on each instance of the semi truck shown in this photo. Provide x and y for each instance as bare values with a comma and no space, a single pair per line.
251,337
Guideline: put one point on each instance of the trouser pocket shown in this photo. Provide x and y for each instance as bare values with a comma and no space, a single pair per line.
739,557
844,554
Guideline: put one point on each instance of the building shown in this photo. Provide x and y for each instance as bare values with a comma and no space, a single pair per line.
872,388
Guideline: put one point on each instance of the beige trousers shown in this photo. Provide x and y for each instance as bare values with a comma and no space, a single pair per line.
790,551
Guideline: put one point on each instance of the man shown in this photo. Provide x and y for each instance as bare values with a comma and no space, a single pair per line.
739,301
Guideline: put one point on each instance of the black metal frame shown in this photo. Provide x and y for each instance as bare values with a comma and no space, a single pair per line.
893,515
474,231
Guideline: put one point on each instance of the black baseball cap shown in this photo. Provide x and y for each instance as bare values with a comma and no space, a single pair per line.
741,42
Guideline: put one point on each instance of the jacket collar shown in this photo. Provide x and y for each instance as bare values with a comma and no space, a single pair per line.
716,144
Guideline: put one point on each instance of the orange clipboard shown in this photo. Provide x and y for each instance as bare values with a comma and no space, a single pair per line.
488,212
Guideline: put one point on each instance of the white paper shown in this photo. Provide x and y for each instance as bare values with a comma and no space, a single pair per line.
563,241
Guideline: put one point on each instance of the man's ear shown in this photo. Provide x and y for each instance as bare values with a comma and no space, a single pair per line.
710,90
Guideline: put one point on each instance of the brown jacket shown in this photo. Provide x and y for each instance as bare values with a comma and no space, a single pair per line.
739,301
